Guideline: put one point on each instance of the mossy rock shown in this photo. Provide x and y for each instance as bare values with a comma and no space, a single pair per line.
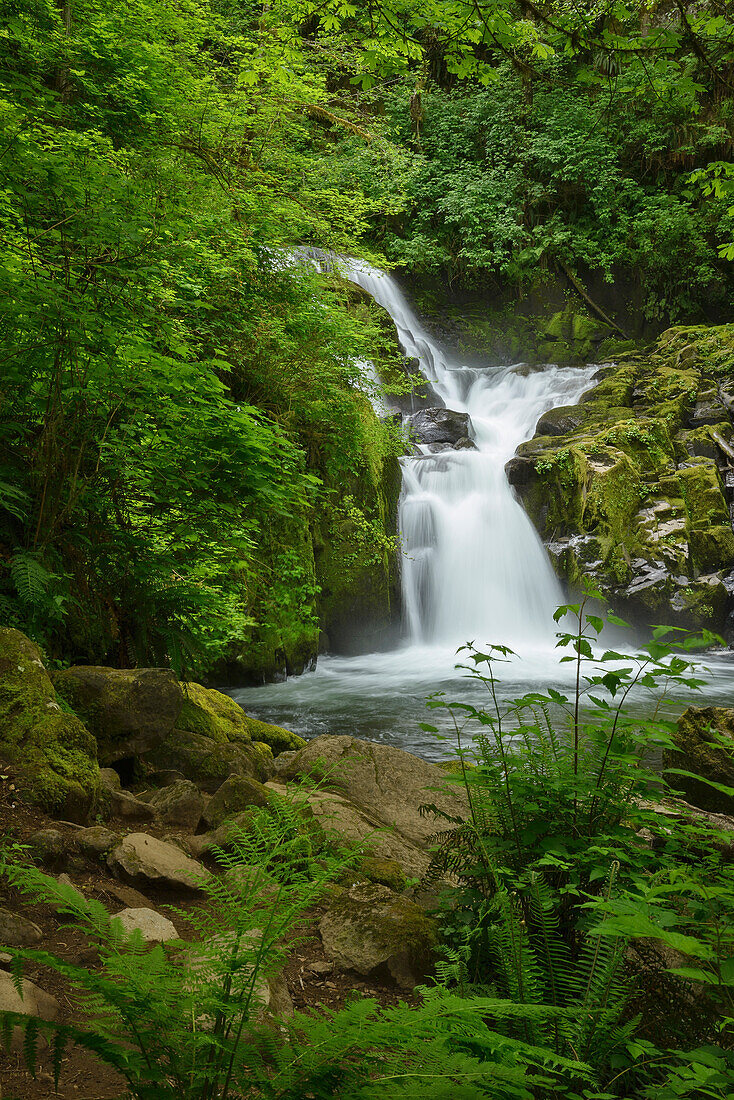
204,761
212,714
55,753
275,738
705,746
237,793
385,872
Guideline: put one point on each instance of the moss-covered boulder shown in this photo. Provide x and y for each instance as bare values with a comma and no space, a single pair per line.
212,714
635,491
370,929
129,710
704,738
237,793
206,762
385,872
53,751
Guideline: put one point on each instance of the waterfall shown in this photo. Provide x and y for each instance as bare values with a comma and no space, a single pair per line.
474,566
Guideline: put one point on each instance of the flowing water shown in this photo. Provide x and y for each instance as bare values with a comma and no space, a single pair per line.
473,566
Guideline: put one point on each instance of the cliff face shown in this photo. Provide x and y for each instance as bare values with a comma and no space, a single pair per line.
632,488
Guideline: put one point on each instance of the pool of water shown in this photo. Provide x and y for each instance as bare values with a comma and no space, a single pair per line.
382,696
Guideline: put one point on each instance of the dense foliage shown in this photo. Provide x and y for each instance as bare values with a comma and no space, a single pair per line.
172,398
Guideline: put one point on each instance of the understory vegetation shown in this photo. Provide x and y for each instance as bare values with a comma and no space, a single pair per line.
588,949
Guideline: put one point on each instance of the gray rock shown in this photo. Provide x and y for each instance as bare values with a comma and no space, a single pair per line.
197,846
562,421
465,444
144,860
370,928
236,794
129,711
31,1001
437,425
153,926
96,840
129,807
180,804
66,881
53,846
109,779
18,931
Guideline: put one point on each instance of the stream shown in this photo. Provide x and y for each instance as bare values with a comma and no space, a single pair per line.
473,566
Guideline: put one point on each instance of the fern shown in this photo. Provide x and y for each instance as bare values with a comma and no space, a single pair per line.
31,578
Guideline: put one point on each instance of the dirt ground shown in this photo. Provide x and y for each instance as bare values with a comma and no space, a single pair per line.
311,980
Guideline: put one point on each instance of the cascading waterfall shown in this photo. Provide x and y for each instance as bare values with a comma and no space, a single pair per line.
474,566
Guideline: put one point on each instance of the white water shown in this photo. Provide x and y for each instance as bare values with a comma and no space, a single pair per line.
474,567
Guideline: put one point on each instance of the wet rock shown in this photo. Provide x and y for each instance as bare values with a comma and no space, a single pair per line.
180,804
144,860
439,425
129,711
152,926
709,408
465,444
18,931
562,421
368,928
704,737
236,793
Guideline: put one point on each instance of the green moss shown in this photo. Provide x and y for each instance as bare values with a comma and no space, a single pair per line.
273,738
386,872
55,752
212,714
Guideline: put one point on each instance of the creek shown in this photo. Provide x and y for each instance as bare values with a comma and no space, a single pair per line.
473,567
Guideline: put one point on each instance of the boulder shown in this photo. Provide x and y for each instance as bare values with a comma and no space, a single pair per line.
152,926
562,421
180,804
129,711
386,782
205,762
52,846
214,715
236,793
96,840
369,928
385,872
336,814
705,745
144,860
109,779
437,425
55,754
127,806
198,846
18,931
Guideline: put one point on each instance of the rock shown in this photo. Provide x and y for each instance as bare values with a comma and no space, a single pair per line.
53,847
129,897
96,840
129,807
216,716
32,1001
562,421
465,444
370,928
388,783
270,991
319,968
152,926
66,881
336,814
439,425
701,753
235,794
129,711
179,804
143,860
205,762
55,754
109,779
197,846
18,931
385,872
709,409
